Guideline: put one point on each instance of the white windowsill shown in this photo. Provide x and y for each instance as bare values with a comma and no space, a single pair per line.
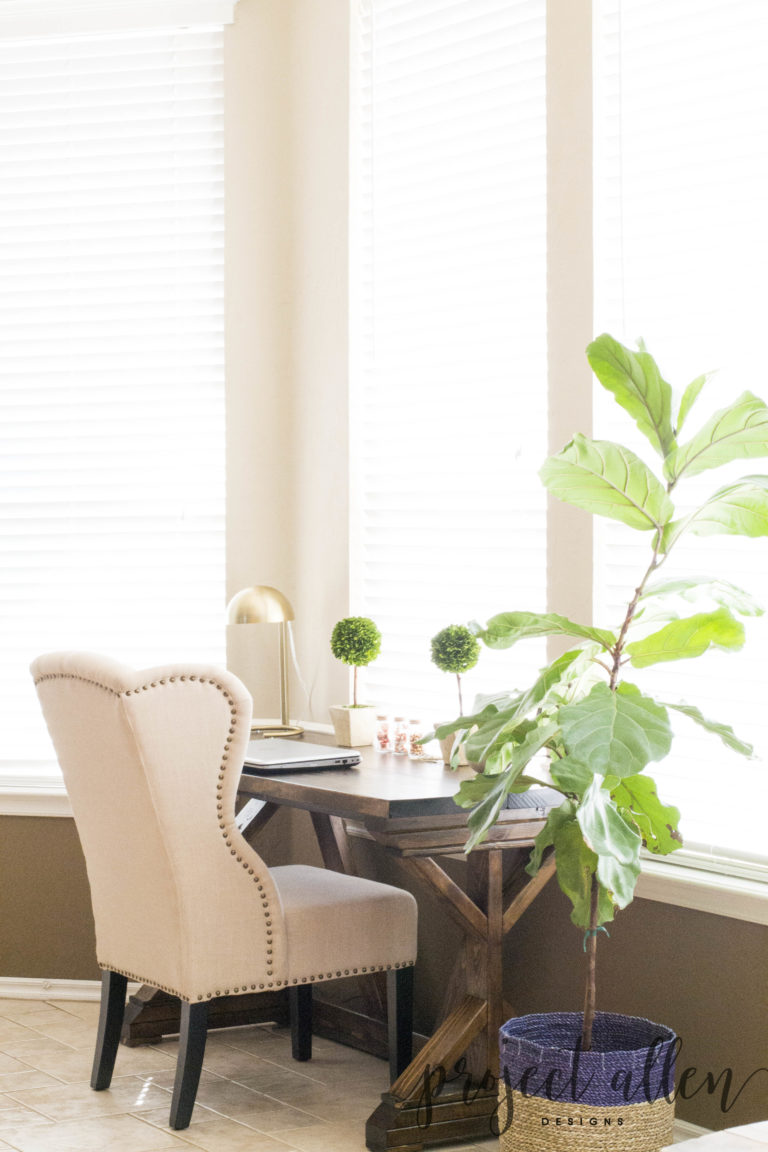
738,897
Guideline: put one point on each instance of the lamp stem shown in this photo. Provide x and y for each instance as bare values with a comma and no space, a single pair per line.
284,708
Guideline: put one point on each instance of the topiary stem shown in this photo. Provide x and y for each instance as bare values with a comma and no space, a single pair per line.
354,687
461,702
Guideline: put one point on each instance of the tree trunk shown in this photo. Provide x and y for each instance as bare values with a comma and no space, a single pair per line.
589,998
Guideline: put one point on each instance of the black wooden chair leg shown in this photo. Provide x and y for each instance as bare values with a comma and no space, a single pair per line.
300,1008
113,989
399,1020
194,1028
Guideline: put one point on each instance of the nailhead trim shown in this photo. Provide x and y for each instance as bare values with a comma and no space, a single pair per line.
139,979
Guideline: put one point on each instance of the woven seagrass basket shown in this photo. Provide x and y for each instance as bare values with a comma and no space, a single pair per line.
615,1098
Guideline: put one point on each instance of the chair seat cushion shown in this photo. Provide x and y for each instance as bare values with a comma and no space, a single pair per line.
337,924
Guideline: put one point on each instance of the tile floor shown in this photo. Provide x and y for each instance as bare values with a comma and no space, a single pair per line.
252,1098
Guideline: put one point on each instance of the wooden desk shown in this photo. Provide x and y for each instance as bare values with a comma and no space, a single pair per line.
407,808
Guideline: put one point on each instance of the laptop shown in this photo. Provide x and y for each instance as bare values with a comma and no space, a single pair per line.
279,755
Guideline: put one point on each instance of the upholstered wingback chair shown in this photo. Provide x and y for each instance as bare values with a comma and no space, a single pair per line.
151,760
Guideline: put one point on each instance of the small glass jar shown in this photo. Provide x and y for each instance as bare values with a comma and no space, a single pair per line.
400,737
415,733
382,732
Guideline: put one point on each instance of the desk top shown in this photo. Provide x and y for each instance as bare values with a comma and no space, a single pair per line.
383,786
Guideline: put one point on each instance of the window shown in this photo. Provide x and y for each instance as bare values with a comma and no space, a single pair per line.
111,376
682,241
449,427
449,423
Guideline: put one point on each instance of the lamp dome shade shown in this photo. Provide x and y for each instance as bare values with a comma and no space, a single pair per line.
259,605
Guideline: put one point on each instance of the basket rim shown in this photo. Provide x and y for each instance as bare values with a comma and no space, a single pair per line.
517,1028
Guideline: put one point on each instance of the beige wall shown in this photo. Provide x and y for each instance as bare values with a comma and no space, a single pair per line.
287,361
287,373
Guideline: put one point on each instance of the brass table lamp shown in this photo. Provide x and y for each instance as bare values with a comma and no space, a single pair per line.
264,605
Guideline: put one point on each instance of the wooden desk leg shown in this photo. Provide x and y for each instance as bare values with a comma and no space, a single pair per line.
440,1096
151,1014
333,1021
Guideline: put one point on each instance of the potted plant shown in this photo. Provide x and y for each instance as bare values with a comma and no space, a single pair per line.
454,649
355,641
600,731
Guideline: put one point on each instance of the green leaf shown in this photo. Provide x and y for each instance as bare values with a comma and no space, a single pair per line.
570,775
636,383
513,754
689,398
688,638
576,864
613,839
658,823
724,731
487,795
492,710
615,733
507,628
546,837
702,587
734,433
739,509
609,480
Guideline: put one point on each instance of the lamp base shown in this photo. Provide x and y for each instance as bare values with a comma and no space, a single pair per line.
267,730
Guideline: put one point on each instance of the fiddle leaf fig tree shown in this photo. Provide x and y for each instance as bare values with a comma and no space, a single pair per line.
599,731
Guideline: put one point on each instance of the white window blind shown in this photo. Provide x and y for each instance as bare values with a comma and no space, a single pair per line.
682,244
111,357
449,404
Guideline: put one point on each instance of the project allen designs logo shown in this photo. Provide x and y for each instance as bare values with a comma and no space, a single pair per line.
655,1083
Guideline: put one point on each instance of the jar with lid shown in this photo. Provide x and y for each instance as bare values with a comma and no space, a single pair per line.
415,733
382,732
400,737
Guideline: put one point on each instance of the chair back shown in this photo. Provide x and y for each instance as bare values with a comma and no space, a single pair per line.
151,761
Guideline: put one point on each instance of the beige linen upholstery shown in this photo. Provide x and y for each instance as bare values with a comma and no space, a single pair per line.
151,761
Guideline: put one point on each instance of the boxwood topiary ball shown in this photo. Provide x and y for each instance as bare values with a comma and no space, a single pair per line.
356,640
455,649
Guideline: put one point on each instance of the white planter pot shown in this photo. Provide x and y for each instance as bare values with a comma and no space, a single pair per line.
446,748
354,727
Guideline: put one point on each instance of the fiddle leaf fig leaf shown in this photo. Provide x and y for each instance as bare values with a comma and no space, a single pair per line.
571,776
497,709
702,587
576,864
614,840
724,731
616,733
512,755
609,480
546,837
657,822
734,433
507,628
636,383
688,638
487,794
689,398
605,830
739,509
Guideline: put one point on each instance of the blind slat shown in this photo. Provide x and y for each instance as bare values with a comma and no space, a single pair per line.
111,356
450,381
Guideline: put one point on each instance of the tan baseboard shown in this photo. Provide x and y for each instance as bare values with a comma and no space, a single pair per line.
34,988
